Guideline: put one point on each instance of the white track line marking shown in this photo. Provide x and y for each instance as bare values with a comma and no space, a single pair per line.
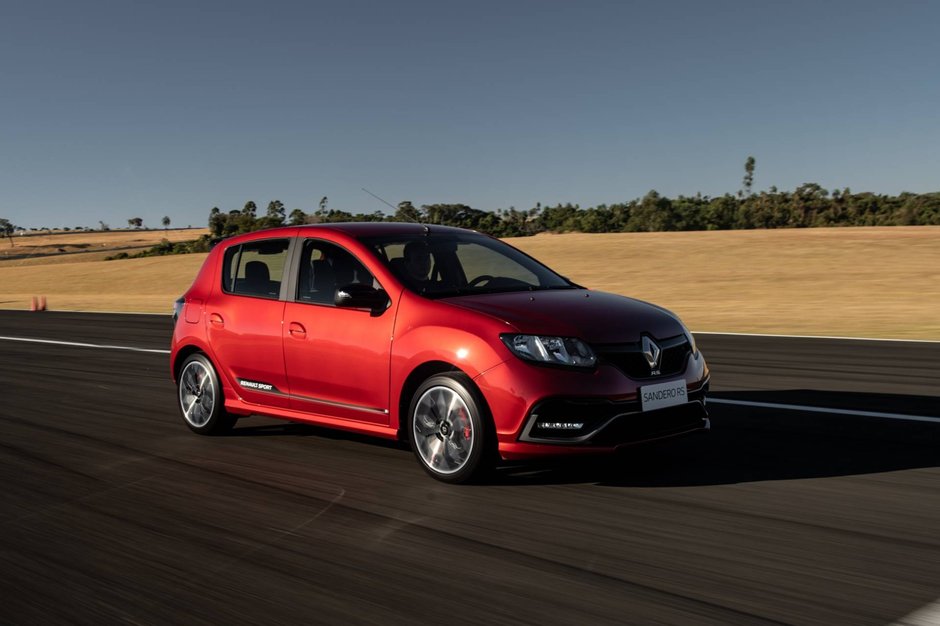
706,332
84,345
928,615
819,409
762,405
54,311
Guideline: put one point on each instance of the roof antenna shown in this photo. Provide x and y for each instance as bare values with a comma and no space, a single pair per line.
378,198
426,229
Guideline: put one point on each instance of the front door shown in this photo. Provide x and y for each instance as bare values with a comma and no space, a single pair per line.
337,358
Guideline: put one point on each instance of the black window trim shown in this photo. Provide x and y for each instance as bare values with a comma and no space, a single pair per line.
234,277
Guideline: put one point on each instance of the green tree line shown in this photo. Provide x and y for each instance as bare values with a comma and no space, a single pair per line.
807,206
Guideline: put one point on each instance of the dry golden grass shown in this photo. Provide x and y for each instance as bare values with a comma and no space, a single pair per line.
864,282
874,282
77,247
147,285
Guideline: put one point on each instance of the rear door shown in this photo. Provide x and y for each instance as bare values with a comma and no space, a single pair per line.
244,320
337,358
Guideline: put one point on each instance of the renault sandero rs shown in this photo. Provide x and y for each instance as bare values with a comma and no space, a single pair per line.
456,342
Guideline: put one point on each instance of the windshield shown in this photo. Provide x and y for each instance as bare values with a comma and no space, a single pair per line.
451,264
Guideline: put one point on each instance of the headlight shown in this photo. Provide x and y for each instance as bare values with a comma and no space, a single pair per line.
551,350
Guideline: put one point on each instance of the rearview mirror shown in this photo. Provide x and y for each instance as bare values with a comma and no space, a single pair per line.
357,296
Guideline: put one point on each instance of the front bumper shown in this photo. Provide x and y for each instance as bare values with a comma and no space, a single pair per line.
604,401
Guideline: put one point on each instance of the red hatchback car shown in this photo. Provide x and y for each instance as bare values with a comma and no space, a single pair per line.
462,344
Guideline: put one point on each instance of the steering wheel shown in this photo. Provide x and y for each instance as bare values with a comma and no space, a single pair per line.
483,278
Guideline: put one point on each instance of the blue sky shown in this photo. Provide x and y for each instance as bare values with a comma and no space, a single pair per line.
111,110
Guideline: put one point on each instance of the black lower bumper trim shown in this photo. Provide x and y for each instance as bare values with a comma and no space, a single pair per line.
604,423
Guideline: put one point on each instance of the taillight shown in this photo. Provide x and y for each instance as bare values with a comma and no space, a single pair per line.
178,308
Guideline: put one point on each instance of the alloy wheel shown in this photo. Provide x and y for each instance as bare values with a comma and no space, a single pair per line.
443,430
196,394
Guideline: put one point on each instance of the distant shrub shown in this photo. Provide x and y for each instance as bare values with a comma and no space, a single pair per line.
166,247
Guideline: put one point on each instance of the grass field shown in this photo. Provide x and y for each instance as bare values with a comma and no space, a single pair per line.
863,282
80,246
873,282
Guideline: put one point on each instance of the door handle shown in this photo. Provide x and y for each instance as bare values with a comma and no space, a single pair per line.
297,330
215,318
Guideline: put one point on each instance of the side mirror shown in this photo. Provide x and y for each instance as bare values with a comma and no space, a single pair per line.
356,296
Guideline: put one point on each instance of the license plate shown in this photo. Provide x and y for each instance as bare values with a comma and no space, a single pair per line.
659,396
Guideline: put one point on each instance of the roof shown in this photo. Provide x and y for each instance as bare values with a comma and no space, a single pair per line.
372,229
356,230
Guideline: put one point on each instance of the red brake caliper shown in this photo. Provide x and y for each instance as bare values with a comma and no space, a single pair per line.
467,431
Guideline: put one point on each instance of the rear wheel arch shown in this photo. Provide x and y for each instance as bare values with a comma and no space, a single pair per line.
181,356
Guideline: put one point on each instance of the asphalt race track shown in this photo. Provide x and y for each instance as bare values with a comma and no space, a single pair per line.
111,511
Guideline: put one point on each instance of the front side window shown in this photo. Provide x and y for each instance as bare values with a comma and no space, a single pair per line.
324,268
450,264
255,268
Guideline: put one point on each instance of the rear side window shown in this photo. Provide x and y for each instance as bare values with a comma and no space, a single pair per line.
255,268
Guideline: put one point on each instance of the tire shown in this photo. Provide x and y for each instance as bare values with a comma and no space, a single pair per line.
449,429
200,397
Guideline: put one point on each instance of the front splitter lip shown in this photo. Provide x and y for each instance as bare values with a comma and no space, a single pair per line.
527,436
522,450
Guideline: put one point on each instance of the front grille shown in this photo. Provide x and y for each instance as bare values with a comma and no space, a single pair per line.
629,359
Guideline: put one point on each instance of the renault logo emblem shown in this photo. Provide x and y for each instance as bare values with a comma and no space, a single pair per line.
653,353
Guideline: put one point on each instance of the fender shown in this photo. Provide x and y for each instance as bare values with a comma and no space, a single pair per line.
434,331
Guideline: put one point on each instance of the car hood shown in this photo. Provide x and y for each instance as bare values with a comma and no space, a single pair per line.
594,316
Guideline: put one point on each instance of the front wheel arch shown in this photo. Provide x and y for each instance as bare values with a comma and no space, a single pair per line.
417,376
